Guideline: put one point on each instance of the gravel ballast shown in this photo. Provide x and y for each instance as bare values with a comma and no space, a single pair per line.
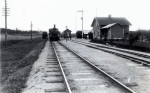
83,78
134,75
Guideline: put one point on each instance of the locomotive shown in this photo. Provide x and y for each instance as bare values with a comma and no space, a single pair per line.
54,34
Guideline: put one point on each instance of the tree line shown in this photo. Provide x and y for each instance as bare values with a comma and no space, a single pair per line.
19,32
140,34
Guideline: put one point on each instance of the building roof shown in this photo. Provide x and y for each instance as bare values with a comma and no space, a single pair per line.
67,30
109,20
110,25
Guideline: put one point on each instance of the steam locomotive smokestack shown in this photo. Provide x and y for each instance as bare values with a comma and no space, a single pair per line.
54,25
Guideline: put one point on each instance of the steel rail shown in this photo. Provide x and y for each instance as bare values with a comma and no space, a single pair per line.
137,54
144,62
64,76
100,70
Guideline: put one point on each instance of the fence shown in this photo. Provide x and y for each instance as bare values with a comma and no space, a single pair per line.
18,37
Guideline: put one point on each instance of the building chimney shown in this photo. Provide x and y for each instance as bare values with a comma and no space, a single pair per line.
66,27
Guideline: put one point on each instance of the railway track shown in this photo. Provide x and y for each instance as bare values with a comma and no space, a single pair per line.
55,76
136,57
83,76
118,49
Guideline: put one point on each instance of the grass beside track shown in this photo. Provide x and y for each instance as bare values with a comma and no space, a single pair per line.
16,63
9,43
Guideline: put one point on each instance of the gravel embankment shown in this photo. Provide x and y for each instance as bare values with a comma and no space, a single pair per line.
35,82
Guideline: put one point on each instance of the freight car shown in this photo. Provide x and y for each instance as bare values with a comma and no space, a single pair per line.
79,34
54,34
44,35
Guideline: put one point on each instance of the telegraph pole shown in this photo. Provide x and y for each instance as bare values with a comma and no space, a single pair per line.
31,29
6,14
82,21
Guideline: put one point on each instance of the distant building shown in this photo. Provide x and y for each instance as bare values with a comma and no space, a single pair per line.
66,33
85,34
110,27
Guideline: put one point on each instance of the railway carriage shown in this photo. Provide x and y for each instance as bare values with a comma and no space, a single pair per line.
79,34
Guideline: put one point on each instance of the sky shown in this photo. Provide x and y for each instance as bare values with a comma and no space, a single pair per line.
45,13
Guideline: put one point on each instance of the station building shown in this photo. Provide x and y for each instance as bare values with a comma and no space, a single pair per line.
110,27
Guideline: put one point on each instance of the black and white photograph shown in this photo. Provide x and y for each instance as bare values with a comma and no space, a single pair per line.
75,46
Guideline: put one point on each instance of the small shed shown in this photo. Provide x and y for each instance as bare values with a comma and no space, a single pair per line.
66,34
